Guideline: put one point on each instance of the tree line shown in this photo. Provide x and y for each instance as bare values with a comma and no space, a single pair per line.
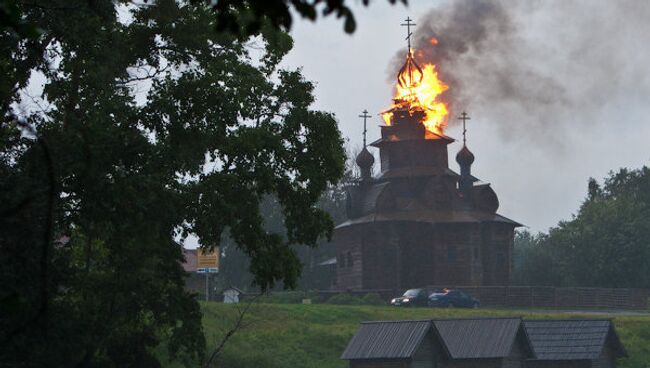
605,244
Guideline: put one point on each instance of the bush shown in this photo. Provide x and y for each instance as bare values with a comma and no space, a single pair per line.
372,299
344,299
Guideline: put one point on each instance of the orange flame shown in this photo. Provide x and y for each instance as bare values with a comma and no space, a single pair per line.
422,93
433,41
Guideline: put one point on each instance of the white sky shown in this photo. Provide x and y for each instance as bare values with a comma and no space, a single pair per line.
538,181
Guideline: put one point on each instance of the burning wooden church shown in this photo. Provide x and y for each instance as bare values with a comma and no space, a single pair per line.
419,222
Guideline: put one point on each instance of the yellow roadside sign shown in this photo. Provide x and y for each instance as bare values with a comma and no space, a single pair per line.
207,259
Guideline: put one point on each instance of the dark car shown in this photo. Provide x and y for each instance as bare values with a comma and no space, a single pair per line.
412,298
453,298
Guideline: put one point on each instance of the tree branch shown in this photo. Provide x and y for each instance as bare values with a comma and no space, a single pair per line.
239,324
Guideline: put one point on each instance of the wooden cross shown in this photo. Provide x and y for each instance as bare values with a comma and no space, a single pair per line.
464,117
365,116
408,25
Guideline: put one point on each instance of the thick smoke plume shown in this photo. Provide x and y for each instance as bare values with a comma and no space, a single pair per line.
537,69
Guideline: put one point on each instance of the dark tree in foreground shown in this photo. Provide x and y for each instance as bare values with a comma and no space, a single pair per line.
247,17
234,263
156,126
606,244
242,18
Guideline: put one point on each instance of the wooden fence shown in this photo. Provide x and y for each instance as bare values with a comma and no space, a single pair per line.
538,296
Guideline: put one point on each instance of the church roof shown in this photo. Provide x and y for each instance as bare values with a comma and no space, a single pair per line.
369,202
449,216
429,136
416,171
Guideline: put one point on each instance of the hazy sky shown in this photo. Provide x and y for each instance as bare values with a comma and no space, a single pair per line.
558,91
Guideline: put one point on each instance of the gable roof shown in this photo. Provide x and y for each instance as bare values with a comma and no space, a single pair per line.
478,338
573,339
234,288
430,216
386,340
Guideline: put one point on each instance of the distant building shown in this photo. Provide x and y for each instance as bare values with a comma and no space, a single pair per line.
574,343
231,295
190,260
483,343
420,223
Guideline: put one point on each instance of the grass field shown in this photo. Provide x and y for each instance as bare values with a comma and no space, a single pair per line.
310,336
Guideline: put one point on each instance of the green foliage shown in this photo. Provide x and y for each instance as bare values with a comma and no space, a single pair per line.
248,17
297,297
606,244
306,336
372,299
158,127
349,299
344,299
290,297
238,18
11,20
533,264
235,263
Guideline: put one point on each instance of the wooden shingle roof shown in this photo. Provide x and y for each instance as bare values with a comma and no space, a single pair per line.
386,340
464,338
573,339
486,338
478,338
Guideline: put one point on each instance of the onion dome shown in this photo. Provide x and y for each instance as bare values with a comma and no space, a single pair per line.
365,158
465,157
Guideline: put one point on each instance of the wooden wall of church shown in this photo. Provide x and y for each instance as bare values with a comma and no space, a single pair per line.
349,260
497,247
402,255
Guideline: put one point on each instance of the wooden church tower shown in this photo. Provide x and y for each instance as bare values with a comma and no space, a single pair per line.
420,223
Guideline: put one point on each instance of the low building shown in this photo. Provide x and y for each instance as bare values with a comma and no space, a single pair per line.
453,343
190,260
574,343
484,343
231,295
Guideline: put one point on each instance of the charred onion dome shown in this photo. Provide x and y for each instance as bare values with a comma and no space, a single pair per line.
410,75
418,91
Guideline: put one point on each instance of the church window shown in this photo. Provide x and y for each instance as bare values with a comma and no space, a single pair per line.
340,261
350,260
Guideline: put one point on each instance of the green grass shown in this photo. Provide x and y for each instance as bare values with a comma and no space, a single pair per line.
294,335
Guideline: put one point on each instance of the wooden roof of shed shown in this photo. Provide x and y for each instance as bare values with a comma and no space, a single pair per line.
486,338
573,339
386,340
462,338
478,338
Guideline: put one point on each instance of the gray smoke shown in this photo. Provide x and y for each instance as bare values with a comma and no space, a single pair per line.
533,68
